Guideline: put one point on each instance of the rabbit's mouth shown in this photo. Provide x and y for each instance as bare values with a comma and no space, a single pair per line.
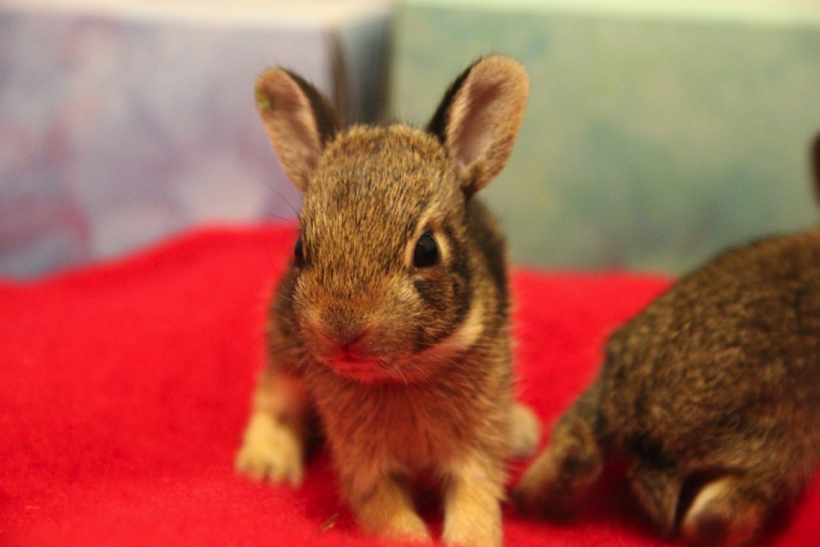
376,370
365,370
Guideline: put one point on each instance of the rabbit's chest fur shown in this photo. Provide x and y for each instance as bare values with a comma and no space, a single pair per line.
416,426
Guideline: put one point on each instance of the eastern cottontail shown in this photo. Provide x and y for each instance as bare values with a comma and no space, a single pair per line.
711,396
391,325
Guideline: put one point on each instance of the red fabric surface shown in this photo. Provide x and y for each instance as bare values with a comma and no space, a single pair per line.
124,390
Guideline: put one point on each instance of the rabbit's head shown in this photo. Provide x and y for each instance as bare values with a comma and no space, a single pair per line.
385,269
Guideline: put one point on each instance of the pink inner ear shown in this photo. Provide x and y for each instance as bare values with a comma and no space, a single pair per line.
476,120
294,112
298,115
484,118
290,124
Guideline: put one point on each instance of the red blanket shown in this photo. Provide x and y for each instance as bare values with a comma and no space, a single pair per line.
124,389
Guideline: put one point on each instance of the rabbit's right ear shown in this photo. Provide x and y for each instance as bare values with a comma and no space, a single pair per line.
299,121
479,118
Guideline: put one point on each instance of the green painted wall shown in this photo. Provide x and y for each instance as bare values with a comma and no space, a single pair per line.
655,135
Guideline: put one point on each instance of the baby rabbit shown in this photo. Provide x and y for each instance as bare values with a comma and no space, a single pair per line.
710,396
391,324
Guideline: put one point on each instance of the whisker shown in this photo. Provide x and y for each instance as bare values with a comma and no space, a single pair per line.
278,193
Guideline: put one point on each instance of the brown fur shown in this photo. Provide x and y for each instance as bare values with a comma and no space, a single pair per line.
711,396
407,368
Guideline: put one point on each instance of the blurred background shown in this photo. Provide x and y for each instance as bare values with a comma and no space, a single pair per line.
657,132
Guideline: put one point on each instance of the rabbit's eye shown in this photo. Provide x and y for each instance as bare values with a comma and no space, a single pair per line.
426,252
299,252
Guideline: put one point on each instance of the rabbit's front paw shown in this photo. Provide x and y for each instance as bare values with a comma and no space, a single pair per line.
271,451
526,431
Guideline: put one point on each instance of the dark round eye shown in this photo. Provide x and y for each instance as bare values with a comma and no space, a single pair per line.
298,252
426,252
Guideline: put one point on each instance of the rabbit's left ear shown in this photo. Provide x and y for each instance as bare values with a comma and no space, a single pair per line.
299,121
479,118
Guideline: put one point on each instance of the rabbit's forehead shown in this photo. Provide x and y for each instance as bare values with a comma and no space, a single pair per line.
393,161
380,180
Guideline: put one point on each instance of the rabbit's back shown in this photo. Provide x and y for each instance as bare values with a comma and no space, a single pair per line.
723,371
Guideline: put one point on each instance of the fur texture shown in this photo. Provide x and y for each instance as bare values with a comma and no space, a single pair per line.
406,366
711,396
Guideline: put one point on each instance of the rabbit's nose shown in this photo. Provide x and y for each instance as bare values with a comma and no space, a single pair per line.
342,340
352,344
